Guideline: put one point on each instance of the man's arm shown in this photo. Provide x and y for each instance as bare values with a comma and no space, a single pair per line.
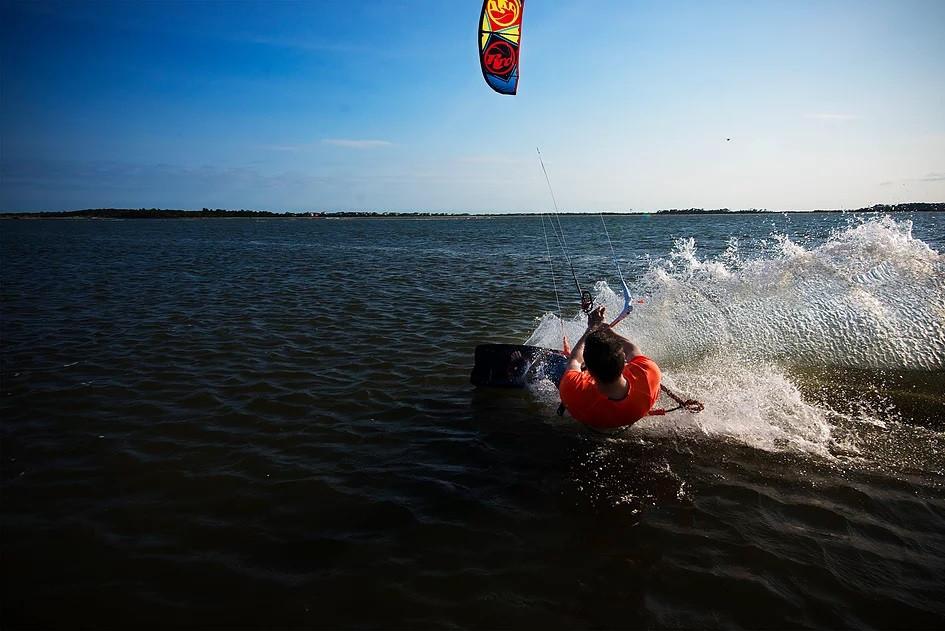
594,319
630,350
577,354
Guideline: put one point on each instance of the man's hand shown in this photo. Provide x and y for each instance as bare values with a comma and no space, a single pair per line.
595,318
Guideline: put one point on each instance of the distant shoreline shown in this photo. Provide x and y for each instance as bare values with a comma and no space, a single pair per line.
219,213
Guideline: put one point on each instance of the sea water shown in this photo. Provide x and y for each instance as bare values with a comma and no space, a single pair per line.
268,422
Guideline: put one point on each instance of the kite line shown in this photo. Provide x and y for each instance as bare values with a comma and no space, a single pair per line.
587,301
690,405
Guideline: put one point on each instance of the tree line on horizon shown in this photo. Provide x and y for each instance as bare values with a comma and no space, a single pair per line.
161,213
875,208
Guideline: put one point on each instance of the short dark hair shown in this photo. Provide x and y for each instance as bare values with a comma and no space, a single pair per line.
603,354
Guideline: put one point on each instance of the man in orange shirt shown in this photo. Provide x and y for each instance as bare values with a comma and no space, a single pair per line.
620,385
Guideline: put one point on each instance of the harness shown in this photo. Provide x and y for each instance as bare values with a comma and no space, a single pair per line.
690,405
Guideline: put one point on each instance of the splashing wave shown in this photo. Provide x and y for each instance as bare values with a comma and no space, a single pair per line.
739,328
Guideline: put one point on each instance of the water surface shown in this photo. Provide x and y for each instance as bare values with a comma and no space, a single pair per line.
268,423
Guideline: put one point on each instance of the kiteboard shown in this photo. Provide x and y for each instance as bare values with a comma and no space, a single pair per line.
514,366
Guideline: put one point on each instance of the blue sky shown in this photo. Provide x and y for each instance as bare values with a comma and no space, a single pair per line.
381,106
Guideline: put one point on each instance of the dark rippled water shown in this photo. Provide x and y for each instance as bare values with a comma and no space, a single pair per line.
268,423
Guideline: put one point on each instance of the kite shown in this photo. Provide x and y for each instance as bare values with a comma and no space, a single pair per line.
500,32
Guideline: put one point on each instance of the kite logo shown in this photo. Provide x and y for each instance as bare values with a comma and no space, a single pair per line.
503,13
499,58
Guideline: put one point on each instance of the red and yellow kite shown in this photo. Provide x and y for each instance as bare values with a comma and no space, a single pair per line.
500,33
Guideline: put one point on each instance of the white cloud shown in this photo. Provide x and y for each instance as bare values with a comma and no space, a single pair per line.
286,147
928,177
356,144
833,117
491,159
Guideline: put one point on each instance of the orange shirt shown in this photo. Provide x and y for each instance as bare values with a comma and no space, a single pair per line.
585,402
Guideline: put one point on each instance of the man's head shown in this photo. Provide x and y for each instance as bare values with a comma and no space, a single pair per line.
603,355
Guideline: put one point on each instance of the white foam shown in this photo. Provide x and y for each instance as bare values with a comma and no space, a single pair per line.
731,329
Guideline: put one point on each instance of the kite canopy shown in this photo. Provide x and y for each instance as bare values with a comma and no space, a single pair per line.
500,32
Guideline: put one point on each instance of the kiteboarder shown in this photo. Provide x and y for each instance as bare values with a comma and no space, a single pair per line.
619,386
